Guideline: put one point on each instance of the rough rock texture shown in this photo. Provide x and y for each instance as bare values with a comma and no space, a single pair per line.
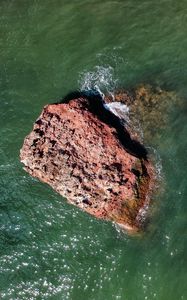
86,154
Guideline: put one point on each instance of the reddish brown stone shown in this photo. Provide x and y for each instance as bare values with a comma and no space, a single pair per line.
85,153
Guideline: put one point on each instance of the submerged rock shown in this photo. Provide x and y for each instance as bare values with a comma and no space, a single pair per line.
149,110
85,153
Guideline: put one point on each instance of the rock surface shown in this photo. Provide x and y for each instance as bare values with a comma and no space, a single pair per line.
85,153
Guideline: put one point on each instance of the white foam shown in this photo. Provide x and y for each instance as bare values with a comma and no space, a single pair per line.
101,79
157,162
119,109
141,217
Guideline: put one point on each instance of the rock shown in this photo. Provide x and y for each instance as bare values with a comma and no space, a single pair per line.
85,153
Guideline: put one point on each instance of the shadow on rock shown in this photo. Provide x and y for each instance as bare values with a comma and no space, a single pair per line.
96,106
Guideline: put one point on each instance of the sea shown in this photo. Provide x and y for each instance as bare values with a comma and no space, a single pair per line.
50,249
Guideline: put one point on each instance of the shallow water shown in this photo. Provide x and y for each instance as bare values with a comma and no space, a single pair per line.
49,249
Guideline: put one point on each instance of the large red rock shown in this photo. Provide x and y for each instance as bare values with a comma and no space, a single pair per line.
85,153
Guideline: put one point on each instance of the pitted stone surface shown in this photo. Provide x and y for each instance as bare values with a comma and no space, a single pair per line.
84,153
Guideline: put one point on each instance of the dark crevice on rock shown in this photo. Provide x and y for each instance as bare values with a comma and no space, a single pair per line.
96,106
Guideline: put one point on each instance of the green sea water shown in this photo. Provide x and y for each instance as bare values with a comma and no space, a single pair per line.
48,248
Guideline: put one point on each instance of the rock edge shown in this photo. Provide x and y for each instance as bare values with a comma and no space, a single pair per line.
85,153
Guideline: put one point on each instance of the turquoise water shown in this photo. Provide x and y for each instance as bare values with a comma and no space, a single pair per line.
49,249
